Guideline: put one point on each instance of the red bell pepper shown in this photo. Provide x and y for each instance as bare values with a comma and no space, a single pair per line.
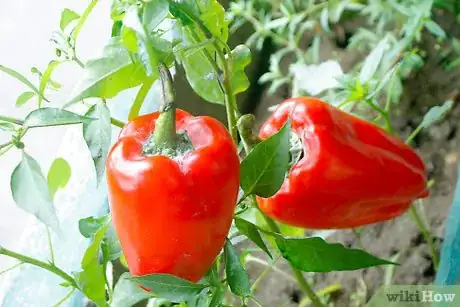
172,214
352,172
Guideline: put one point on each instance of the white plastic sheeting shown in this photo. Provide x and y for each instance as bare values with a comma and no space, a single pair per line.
25,29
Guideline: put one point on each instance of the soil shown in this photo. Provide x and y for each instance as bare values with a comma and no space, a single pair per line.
440,148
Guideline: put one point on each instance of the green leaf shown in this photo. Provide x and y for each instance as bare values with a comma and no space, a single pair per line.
30,191
200,300
186,11
154,13
24,97
21,78
435,29
127,292
199,65
58,175
67,16
4,126
145,50
116,28
83,18
109,74
392,73
436,114
129,38
119,7
250,230
212,14
285,229
372,61
264,168
170,287
44,117
217,296
89,226
241,57
97,134
92,252
324,20
111,246
456,45
46,78
91,281
139,100
237,276
316,255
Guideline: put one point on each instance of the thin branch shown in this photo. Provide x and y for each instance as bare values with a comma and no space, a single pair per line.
65,298
47,266
50,244
12,120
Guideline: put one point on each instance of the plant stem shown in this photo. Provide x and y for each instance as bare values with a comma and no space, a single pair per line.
426,234
5,145
264,274
11,120
50,244
117,123
251,258
297,273
323,292
382,113
414,134
65,298
230,99
80,63
256,301
165,127
11,268
226,87
47,266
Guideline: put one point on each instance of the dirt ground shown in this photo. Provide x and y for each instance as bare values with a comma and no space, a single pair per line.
440,148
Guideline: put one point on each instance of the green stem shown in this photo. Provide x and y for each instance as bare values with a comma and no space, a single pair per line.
6,144
250,258
297,273
414,134
106,280
230,99
321,293
117,122
165,127
12,120
47,266
80,63
50,244
11,268
139,100
426,234
256,301
65,298
383,114
264,274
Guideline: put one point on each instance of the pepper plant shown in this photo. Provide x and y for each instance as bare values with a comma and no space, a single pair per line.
161,169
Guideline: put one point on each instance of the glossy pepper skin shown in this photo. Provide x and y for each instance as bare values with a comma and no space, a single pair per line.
352,173
172,215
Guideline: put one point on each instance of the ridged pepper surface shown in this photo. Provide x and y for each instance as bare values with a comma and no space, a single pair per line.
352,172
172,214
